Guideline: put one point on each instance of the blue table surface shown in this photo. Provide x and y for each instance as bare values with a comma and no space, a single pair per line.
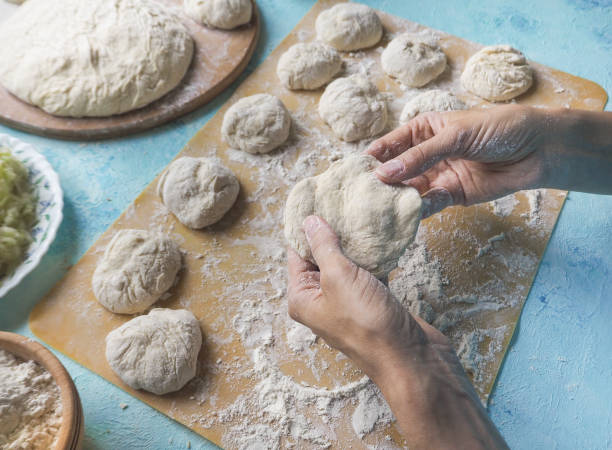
554,389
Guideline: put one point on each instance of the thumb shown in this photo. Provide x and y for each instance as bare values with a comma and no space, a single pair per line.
419,158
324,244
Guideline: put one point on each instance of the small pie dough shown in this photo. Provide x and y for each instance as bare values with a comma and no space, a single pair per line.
137,267
157,352
198,191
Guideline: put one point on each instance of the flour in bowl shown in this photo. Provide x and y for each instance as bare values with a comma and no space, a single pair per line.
30,405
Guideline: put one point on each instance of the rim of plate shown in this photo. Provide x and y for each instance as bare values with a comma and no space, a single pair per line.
50,203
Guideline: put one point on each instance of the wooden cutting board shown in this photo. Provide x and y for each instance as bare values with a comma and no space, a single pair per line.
219,58
234,278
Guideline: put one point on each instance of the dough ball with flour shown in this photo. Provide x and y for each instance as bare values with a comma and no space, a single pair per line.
434,100
157,352
198,191
497,73
375,222
308,66
349,26
353,108
92,58
413,61
137,267
256,124
224,14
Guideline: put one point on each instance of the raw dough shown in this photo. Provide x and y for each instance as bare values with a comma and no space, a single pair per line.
308,66
349,26
137,268
198,191
434,100
413,61
224,14
497,73
353,108
375,222
157,352
256,124
92,58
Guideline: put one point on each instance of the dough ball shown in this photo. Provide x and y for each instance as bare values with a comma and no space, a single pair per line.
349,26
434,100
353,108
136,269
224,14
308,66
157,352
497,73
198,191
375,222
256,124
413,61
92,58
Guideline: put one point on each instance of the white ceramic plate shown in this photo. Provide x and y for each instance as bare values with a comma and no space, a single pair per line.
48,211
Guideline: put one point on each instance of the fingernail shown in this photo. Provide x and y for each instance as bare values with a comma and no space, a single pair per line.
391,170
373,147
311,225
435,201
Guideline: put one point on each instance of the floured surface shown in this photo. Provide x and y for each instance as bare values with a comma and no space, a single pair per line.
262,377
219,57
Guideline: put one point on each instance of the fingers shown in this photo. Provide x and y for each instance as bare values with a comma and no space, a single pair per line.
392,144
324,244
418,159
406,136
297,265
303,287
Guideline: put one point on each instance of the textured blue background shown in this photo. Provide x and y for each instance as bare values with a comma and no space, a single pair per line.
555,388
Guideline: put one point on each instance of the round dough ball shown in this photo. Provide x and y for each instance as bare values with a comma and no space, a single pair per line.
349,26
375,222
137,268
224,14
434,100
497,73
308,66
198,191
157,352
256,124
353,108
92,58
413,61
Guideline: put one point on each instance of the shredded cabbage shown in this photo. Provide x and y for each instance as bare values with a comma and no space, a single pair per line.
17,212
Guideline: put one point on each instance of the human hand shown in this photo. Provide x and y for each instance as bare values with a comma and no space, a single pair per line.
412,363
348,307
467,157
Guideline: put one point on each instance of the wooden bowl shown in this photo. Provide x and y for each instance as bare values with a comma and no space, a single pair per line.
71,431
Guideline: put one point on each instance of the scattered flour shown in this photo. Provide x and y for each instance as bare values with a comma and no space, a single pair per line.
307,407
30,405
504,206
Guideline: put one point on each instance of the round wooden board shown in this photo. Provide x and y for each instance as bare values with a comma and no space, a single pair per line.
71,431
219,58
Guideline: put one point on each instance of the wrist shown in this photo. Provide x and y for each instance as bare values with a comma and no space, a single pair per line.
434,402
